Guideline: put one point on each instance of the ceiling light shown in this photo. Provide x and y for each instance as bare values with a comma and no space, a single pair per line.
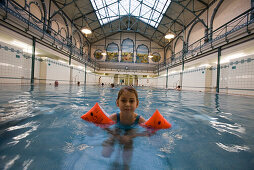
25,47
61,61
228,58
169,36
204,65
86,31
191,68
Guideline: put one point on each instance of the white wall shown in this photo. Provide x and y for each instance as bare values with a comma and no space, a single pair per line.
15,67
173,80
106,80
144,81
78,75
92,78
194,79
237,77
57,71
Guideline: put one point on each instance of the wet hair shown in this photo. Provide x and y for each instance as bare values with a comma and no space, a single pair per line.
129,89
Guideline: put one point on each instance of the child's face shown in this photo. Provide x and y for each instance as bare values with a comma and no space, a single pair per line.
127,102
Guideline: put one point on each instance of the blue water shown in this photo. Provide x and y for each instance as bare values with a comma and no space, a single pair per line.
41,128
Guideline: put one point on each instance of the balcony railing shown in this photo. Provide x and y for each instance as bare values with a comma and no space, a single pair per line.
220,36
14,13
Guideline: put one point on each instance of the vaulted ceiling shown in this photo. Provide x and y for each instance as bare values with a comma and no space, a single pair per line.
151,18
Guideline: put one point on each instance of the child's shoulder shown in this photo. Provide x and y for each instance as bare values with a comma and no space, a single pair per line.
113,116
141,119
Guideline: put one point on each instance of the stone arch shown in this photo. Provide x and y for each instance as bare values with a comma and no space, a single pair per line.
194,35
77,39
58,16
176,43
35,9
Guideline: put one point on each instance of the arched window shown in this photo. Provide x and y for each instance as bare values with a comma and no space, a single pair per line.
127,50
156,57
98,54
112,52
142,54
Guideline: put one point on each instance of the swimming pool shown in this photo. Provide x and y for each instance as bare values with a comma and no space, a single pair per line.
41,128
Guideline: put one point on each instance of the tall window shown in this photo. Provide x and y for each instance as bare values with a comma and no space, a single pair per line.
142,54
127,50
112,52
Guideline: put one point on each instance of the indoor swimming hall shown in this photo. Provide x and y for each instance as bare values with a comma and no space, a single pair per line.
146,63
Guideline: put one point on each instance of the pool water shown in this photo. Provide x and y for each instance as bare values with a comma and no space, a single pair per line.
41,128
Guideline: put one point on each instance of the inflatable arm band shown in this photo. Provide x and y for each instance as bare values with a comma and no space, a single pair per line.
98,116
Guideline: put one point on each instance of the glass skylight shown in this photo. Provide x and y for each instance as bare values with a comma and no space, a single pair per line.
149,11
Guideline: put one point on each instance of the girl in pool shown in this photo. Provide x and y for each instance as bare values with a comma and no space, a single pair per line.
126,121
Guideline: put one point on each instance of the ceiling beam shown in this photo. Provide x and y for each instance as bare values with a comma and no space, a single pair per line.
202,2
70,20
210,4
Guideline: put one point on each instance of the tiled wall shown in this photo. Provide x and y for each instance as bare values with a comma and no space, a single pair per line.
57,71
66,74
78,75
173,80
194,78
15,66
144,81
161,82
237,76
107,80
92,78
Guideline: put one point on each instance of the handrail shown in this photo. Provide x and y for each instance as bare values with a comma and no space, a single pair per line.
14,8
55,38
221,32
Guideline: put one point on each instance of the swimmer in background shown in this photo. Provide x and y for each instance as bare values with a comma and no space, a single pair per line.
178,88
56,83
126,121
112,85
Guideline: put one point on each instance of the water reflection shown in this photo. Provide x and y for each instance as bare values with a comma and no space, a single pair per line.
27,163
17,109
234,129
10,163
33,125
233,148
43,122
217,102
224,123
31,87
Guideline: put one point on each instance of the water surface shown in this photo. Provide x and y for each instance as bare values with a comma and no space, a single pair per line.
41,128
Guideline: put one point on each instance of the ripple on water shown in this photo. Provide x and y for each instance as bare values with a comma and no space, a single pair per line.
233,148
